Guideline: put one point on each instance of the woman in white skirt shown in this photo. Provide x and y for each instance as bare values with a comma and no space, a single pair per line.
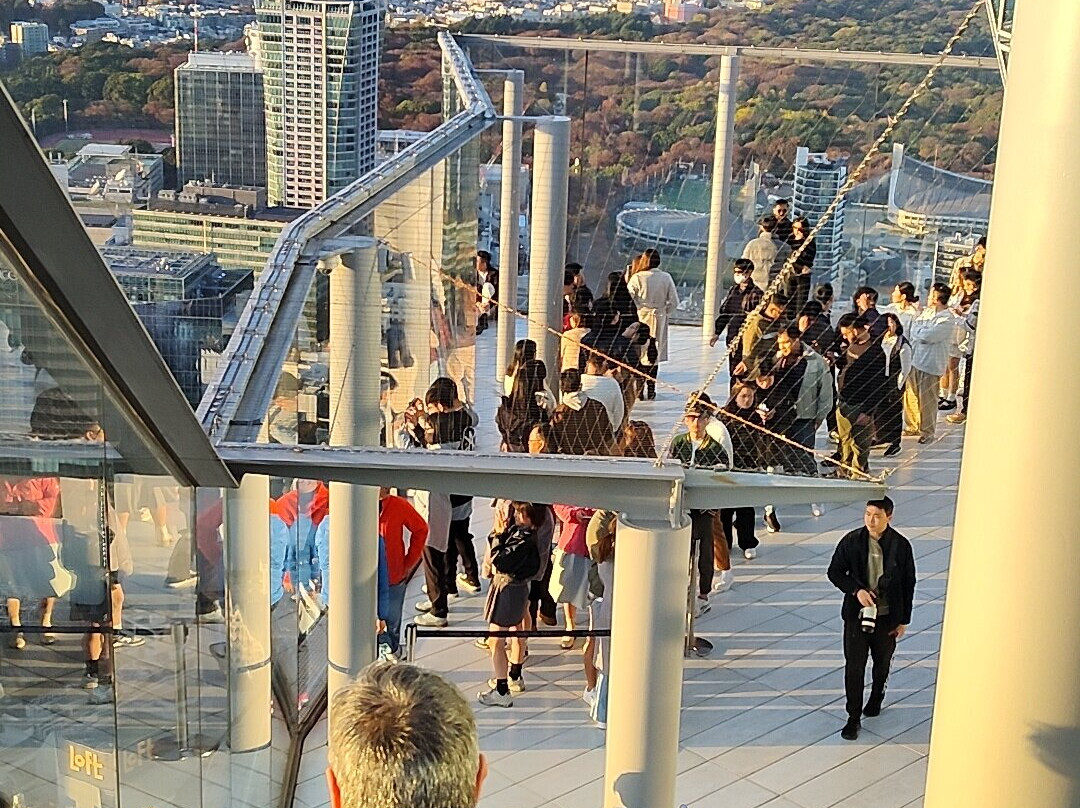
571,564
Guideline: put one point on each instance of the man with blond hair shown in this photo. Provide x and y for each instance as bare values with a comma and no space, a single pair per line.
403,737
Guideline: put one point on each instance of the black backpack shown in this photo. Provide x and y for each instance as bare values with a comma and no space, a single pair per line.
515,554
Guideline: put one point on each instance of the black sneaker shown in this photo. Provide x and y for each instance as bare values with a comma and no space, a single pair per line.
945,404
850,732
893,450
873,705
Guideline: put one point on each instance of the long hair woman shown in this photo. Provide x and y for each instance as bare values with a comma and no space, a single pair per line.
525,407
524,350
889,418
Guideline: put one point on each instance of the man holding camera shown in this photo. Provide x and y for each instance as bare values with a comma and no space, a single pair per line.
875,569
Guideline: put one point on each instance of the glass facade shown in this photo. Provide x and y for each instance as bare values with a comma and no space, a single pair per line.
238,243
220,129
321,66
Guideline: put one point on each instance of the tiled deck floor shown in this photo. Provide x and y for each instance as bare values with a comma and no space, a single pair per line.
760,719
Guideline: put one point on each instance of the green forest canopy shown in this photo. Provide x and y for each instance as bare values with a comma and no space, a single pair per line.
634,120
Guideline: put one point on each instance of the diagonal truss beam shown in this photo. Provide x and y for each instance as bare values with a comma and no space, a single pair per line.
234,404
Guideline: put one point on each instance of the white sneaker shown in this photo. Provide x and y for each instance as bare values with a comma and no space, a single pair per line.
589,696
213,616
750,554
703,606
429,620
493,698
467,585
724,581
516,685
816,509
423,606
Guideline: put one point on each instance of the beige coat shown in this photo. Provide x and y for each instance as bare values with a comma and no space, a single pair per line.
656,298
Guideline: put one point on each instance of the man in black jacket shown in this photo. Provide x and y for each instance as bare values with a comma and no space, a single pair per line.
742,298
860,387
875,569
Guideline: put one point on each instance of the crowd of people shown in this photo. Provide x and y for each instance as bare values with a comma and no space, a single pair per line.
873,376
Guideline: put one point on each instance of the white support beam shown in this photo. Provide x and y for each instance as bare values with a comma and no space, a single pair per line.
638,488
719,215
355,324
547,250
645,685
1008,691
659,47
509,211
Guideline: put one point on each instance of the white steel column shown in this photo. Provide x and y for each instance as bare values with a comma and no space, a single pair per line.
246,523
645,688
509,211
547,250
355,332
1008,696
719,215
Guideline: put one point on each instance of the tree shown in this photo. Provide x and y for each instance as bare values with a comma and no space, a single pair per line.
126,88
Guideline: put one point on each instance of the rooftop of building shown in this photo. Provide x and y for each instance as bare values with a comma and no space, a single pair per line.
155,263
229,61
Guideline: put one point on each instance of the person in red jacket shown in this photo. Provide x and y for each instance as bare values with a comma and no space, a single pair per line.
396,516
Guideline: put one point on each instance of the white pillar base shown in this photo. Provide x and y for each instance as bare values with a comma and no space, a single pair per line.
645,688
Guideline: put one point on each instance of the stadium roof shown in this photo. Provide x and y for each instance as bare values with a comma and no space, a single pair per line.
920,188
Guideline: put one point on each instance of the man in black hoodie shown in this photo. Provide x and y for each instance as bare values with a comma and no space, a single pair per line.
875,569
860,387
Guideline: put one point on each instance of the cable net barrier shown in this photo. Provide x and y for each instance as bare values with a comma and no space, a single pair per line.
437,303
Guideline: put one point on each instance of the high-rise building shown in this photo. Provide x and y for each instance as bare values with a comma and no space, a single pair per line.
320,61
220,123
32,37
818,179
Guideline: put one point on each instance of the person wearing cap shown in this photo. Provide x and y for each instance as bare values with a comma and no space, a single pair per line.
698,447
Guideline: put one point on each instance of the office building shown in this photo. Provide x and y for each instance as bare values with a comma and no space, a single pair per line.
233,223
818,179
32,37
154,276
220,129
946,251
320,63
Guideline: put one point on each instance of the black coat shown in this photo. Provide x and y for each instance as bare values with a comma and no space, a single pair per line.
862,381
738,303
848,573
